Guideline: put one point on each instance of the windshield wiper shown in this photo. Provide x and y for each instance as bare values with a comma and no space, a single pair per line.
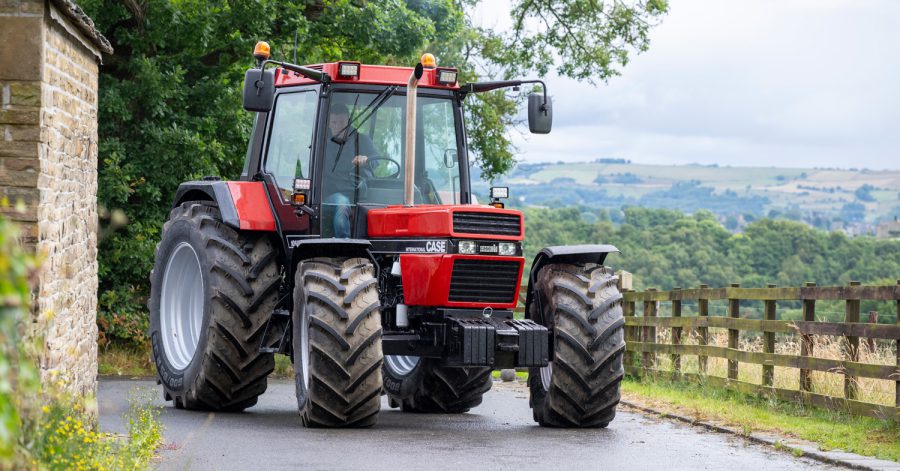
365,114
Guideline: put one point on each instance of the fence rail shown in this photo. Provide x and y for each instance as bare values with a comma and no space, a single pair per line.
643,346
641,339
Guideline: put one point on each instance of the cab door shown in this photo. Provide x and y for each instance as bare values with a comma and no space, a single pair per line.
287,155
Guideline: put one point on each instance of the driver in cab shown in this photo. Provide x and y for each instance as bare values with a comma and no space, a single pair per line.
346,153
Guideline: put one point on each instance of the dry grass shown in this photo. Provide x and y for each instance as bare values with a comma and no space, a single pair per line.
876,391
122,361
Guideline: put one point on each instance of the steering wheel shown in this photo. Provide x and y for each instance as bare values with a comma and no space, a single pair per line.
366,171
393,168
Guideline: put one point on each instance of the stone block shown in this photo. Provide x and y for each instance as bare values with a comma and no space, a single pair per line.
9,7
16,115
22,133
25,93
21,48
18,179
27,214
31,7
14,150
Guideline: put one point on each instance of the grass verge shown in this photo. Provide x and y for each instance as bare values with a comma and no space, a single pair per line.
830,430
65,437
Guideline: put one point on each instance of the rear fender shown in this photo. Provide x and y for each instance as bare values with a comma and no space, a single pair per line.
559,254
243,205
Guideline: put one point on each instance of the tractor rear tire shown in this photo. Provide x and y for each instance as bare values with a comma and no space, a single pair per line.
337,343
212,289
580,386
431,388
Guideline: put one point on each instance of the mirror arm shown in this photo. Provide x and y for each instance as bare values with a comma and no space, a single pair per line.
478,87
313,74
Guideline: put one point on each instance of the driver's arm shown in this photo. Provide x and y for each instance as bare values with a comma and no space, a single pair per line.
366,150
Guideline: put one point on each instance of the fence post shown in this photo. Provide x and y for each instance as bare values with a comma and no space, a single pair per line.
806,345
703,332
628,311
649,334
873,319
676,331
734,308
852,345
768,371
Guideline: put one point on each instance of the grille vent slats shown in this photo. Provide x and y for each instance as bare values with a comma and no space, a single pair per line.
484,281
487,223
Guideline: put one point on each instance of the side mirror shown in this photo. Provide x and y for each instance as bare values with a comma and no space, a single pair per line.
450,158
259,90
540,114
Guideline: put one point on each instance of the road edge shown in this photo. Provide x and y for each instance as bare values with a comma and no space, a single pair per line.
840,458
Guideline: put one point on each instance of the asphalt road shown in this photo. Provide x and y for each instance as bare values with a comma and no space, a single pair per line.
499,434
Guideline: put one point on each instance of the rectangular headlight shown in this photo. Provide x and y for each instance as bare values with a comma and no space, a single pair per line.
467,246
348,69
446,76
507,248
498,192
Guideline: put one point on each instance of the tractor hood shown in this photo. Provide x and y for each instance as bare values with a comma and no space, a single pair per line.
466,221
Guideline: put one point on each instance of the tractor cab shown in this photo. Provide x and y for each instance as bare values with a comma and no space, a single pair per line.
336,140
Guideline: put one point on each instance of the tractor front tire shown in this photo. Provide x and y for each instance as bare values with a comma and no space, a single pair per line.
431,388
212,289
580,386
337,342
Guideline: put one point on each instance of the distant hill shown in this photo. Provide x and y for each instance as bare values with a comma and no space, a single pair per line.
854,200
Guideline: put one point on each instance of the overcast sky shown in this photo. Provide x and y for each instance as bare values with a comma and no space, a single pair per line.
812,83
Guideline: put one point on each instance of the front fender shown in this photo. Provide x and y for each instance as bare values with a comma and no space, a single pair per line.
560,254
243,205
329,247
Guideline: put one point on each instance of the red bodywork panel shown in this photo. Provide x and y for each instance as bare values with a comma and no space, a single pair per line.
371,74
252,205
431,221
426,280
426,277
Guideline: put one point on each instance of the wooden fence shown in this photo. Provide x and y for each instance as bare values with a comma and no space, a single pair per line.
643,345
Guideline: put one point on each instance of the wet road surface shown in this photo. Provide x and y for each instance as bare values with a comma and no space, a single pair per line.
500,434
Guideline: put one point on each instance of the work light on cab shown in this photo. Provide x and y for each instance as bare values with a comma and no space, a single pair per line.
348,70
446,76
498,192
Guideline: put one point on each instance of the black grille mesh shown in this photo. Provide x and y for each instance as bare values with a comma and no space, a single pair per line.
484,281
487,223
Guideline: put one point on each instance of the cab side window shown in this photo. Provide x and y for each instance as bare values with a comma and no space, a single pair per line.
290,142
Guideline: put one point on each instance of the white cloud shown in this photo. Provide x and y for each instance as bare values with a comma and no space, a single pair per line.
800,83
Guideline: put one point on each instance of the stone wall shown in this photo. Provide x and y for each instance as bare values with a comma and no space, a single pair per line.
48,163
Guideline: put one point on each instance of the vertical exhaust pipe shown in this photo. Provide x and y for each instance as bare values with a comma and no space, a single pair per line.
409,176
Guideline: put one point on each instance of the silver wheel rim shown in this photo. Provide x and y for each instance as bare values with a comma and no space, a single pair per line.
401,365
181,306
546,374
304,347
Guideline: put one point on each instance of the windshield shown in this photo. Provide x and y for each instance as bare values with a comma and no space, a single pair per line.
364,149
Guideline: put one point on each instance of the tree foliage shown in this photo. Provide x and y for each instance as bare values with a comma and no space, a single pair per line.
666,249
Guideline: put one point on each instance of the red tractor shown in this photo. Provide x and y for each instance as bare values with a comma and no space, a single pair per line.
353,244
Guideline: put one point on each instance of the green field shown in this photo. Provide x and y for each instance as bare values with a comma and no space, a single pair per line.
807,192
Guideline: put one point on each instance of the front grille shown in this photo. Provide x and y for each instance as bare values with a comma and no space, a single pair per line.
484,281
487,223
